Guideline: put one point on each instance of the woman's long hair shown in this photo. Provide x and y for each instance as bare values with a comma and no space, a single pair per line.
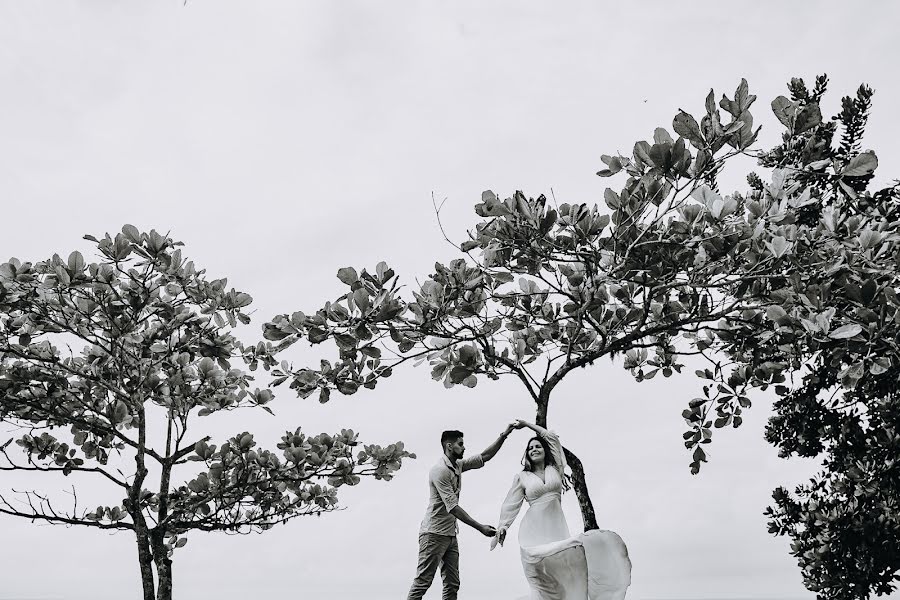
549,461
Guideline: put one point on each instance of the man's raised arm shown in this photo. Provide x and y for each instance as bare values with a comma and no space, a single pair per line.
491,451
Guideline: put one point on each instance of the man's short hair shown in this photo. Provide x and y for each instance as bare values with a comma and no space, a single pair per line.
451,435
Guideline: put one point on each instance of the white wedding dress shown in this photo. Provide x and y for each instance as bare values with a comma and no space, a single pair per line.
593,565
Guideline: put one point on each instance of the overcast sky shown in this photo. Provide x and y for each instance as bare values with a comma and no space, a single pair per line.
283,140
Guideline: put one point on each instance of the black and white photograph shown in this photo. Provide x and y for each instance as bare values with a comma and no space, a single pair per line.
276,277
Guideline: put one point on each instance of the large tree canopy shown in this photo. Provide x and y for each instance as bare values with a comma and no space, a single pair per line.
156,343
795,278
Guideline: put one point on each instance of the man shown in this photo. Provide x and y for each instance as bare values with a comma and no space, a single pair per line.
437,535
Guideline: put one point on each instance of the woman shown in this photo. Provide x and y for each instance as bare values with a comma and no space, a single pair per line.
593,565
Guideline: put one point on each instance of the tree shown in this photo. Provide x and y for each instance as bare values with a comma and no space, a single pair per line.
796,278
157,344
841,317
544,290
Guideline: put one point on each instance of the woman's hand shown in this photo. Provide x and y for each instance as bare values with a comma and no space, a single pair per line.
499,538
518,424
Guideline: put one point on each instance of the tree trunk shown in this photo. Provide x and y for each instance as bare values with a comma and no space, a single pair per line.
145,557
163,567
581,491
141,531
578,479
160,551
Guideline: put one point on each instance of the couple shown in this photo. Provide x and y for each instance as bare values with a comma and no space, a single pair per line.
589,566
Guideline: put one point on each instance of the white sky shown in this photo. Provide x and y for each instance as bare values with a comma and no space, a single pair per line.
283,140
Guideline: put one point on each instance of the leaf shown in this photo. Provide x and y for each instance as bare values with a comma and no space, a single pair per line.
121,411
847,189
868,291
76,262
880,365
687,127
869,238
705,195
661,155
776,313
846,331
809,116
733,126
611,198
778,246
642,153
864,163
701,161
383,271
361,297
742,100
661,136
132,233
160,346
491,206
348,275
62,275
784,110
613,163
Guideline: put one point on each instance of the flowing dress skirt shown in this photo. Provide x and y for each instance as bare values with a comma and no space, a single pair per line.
593,565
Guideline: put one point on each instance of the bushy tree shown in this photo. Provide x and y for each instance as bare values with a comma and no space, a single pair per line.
841,317
797,277
156,349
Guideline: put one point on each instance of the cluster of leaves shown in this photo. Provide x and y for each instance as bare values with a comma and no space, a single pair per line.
844,523
157,346
243,484
663,273
567,284
826,310
813,268
842,318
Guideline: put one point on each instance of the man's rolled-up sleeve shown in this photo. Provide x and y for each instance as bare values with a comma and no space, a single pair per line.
471,462
442,480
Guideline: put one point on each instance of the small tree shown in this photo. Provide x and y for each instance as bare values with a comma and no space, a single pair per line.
797,277
157,345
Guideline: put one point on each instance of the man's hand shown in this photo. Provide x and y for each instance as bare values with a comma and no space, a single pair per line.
487,530
517,424
501,537
491,451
